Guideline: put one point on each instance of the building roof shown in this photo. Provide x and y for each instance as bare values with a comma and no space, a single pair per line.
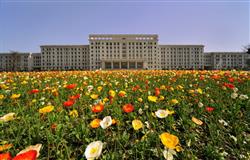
11,53
66,46
224,52
180,45
123,35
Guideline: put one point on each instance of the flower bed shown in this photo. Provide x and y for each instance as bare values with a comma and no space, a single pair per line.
125,115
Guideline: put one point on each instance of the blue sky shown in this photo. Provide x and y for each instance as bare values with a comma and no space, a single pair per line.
219,25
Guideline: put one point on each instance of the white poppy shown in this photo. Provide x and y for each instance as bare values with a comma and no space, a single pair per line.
234,138
235,89
243,97
168,154
234,95
93,150
161,113
7,117
221,121
106,122
147,125
90,88
85,78
140,111
200,104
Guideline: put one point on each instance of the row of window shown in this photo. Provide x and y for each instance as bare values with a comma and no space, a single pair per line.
64,49
124,38
80,53
181,49
123,44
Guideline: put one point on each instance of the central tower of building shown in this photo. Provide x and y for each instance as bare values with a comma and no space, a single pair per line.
124,51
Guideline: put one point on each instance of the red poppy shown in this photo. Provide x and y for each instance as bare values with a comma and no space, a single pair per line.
29,155
68,103
71,86
202,77
209,109
53,126
75,97
110,99
5,156
239,80
229,85
227,74
231,79
135,88
34,91
128,108
97,108
157,91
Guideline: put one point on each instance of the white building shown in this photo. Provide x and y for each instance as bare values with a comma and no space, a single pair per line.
225,60
15,61
65,57
36,61
124,51
181,56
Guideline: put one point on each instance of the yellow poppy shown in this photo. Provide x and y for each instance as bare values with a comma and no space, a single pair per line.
73,113
197,121
139,99
137,124
168,140
15,96
112,93
1,96
94,96
174,101
152,98
99,88
46,109
170,112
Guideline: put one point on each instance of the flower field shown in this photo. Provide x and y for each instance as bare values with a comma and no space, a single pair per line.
125,115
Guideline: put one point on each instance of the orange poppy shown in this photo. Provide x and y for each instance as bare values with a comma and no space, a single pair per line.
5,147
95,123
97,108
128,108
157,91
5,156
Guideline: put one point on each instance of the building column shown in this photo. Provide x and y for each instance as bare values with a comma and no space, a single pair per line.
136,65
128,65
103,65
120,65
112,65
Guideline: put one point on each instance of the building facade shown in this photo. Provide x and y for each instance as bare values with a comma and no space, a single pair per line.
65,57
137,51
181,56
15,61
122,51
225,60
36,61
